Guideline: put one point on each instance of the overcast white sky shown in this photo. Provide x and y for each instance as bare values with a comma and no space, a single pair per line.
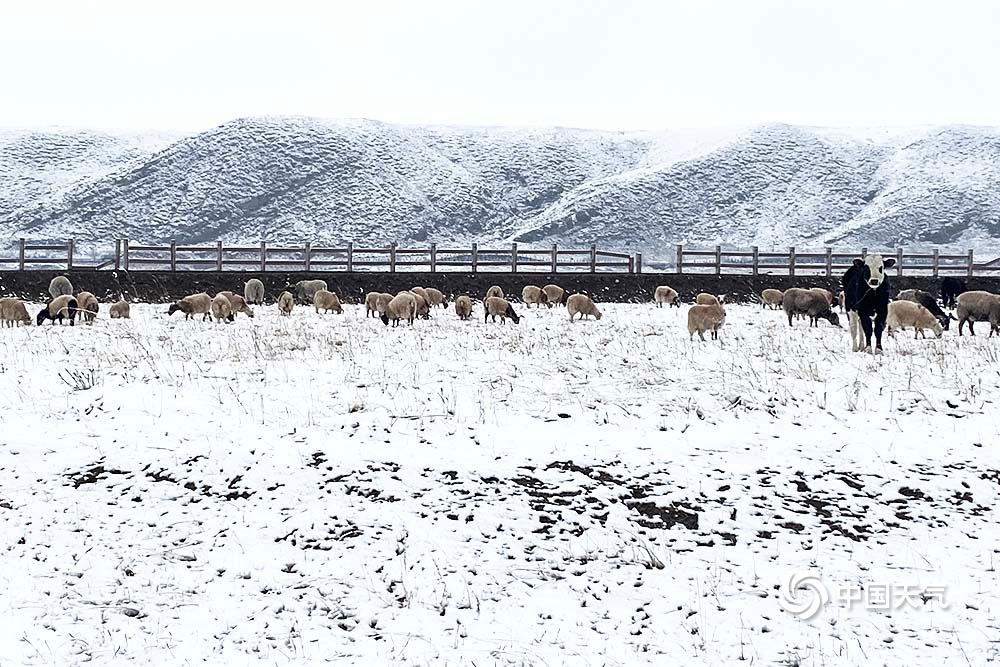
611,64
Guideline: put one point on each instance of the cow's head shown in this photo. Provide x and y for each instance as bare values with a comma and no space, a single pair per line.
873,269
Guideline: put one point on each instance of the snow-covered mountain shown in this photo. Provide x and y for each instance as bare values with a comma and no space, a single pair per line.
296,179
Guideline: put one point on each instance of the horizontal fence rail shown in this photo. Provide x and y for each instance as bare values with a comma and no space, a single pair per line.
392,258
350,258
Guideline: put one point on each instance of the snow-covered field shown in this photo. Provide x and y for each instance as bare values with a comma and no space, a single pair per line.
322,489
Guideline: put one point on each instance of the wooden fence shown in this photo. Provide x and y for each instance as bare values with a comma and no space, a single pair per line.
829,263
263,257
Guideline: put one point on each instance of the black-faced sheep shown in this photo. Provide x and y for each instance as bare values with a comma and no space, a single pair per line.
796,301
193,304
59,309
403,306
498,306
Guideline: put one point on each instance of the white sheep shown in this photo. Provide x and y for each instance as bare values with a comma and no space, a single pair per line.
907,313
13,312
706,299
423,309
305,289
285,303
582,305
555,295
120,310
222,309
87,307
435,297
253,292
532,294
705,317
827,294
193,304
977,306
326,301
772,298
402,307
494,291
463,307
496,306
666,295
60,286
238,304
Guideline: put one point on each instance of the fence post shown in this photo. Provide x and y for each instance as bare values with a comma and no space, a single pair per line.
20,254
829,262
173,255
392,257
935,265
756,260
680,258
308,255
70,246
434,257
718,260
593,259
791,261
475,257
631,264
218,255
638,262
350,256
899,262
118,254
971,263
513,257
125,254
555,257
263,257
864,253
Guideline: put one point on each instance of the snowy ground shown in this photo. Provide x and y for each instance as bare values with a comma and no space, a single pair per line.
323,489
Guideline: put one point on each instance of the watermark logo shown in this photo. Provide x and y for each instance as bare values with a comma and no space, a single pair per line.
804,594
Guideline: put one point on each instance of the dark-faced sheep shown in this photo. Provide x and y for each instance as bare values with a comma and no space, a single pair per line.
496,306
978,306
665,294
463,307
403,306
59,309
60,286
13,312
797,301
705,317
582,305
253,292
222,309
193,304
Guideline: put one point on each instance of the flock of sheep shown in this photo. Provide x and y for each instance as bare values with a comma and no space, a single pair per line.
911,308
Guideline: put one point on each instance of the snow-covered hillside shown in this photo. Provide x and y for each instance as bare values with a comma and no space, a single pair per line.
296,179
321,489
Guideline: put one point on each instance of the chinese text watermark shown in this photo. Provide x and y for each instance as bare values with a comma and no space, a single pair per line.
804,594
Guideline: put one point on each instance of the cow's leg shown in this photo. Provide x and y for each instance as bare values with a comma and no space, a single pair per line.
866,328
879,328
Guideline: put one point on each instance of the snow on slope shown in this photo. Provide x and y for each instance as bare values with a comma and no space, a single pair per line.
296,179
323,489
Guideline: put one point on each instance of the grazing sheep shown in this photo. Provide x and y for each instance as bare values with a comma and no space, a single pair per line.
435,297
285,303
60,308
706,299
906,313
666,295
772,298
403,306
193,304
808,302
495,291
532,294
463,307
827,294
977,306
371,304
556,295
253,292
423,310
927,300
237,303
60,286
702,318
583,305
326,301
495,306
907,295
87,307
119,310
222,309
305,290
13,311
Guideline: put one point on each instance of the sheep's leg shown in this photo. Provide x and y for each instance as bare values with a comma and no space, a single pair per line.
701,335
790,319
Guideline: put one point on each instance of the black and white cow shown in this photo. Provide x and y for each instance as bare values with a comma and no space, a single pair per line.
866,296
